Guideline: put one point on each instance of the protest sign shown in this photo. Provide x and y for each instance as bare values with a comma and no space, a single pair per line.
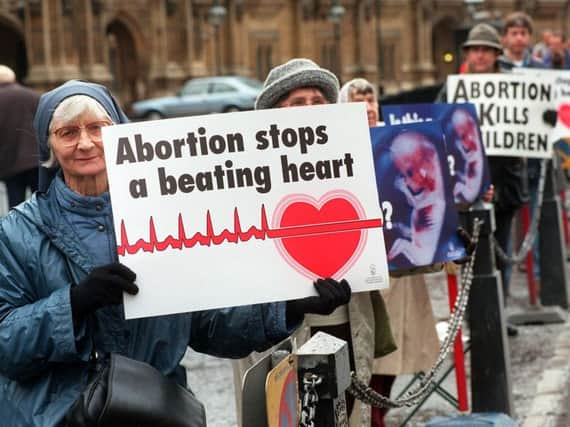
415,193
510,111
559,111
468,167
244,208
561,86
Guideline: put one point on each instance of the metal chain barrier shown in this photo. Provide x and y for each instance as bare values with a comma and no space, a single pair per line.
528,240
309,400
364,393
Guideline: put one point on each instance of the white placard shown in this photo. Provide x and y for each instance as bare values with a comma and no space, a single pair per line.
560,82
243,208
510,110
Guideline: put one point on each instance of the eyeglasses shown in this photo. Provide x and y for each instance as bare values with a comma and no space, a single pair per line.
69,135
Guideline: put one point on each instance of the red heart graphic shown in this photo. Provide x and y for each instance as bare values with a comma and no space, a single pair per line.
326,254
564,114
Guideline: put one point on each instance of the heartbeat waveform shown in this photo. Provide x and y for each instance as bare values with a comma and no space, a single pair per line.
237,235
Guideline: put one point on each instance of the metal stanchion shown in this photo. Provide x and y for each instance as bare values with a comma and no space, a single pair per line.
554,283
324,375
491,386
532,291
553,278
458,351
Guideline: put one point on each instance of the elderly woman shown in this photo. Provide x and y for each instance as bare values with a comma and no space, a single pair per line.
61,285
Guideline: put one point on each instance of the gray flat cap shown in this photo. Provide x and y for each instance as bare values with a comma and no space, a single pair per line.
483,35
294,74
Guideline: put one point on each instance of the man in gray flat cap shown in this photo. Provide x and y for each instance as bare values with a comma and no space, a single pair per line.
363,323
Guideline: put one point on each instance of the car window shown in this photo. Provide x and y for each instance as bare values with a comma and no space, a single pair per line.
223,87
254,84
195,88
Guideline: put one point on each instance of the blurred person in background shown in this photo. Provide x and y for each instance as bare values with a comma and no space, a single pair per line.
517,33
516,40
18,149
541,49
558,57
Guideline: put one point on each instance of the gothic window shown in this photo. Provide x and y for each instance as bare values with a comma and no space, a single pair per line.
198,33
328,56
387,57
263,61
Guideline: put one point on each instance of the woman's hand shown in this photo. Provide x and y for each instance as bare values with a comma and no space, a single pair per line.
489,194
332,294
103,286
467,241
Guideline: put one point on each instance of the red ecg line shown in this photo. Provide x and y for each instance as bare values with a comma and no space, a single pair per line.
238,235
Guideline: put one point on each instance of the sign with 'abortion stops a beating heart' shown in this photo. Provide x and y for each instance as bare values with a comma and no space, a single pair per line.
244,208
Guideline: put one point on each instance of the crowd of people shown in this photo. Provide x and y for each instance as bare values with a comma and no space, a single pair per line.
61,282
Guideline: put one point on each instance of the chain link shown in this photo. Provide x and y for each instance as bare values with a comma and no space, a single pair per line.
364,393
533,229
310,399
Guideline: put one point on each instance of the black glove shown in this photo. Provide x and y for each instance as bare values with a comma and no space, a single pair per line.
332,294
549,117
468,243
104,286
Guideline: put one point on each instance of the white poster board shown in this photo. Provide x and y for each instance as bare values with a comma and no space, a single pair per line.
510,111
560,83
243,208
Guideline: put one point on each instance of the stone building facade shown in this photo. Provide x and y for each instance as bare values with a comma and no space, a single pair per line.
143,48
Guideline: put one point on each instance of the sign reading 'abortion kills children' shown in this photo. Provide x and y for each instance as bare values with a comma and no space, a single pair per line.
245,208
510,111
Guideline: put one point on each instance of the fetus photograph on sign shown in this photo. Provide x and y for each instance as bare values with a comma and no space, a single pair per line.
416,197
468,168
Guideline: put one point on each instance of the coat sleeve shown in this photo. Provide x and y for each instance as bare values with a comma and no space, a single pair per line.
237,331
35,329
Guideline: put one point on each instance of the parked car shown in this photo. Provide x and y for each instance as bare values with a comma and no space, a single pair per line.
202,96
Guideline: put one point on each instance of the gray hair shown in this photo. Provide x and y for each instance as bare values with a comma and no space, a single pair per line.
70,109
7,75
357,85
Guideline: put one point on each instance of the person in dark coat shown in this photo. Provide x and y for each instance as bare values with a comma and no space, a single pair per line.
18,148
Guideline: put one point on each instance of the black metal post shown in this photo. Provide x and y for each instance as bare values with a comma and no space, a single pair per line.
338,59
218,48
491,386
554,283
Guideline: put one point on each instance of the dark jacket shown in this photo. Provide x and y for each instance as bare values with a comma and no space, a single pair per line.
18,147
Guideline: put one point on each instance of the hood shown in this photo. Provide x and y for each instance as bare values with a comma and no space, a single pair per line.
49,102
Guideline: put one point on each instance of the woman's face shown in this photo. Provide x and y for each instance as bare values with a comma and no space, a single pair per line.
371,106
78,148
